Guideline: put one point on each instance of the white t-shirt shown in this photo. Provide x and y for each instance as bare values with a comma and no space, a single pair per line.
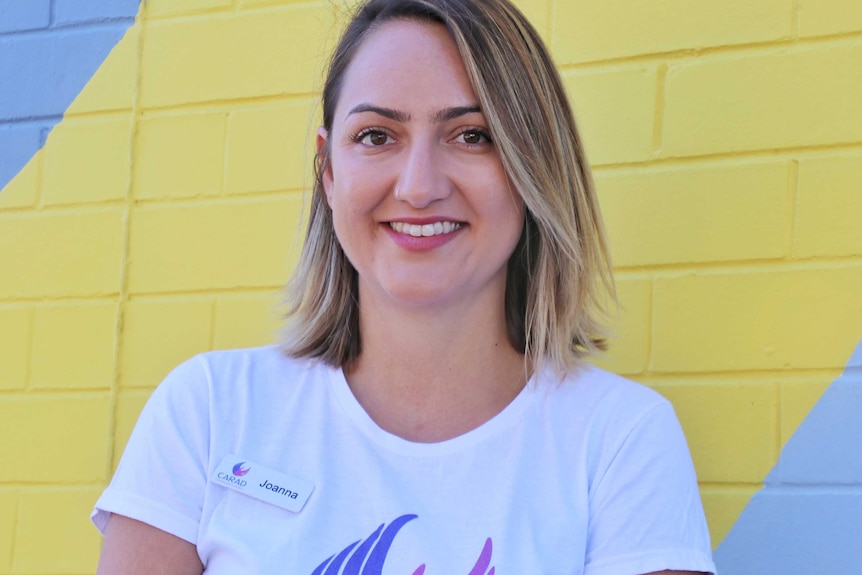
588,476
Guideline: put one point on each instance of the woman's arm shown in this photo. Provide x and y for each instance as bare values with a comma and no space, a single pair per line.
133,548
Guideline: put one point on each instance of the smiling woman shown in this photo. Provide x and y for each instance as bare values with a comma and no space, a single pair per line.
430,408
406,156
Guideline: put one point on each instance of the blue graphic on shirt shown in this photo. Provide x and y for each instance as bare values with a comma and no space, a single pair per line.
376,548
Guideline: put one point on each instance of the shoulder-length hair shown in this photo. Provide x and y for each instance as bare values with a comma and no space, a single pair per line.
559,278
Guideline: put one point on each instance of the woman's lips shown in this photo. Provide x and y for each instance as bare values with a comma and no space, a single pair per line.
422,235
425,230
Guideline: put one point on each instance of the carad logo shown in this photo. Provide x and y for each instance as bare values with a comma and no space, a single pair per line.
239,470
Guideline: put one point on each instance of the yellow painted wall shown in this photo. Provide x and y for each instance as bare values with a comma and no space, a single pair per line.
160,220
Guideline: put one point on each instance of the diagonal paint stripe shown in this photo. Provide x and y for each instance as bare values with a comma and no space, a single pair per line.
48,52
808,516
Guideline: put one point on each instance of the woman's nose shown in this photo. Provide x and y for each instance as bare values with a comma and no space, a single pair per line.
422,181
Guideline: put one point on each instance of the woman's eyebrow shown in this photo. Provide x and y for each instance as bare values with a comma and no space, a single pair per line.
456,112
396,115
443,115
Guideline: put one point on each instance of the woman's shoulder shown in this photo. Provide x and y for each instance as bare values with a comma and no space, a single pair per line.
268,357
595,394
235,372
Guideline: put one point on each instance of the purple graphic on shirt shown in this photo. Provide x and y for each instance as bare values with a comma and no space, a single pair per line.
376,548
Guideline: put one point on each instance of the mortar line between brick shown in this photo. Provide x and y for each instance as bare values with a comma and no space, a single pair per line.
230,104
182,294
13,543
733,156
31,319
764,376
686,56
57,299
777,436
225,150
794,20
228,11
123,295
658,120
30,487
224,199
53,393
106,114
114,205
40,177
213,319
37,121
650,324
731,485
103,24
736,267
793,205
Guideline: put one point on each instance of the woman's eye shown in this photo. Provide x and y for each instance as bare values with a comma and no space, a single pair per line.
374,138
473,137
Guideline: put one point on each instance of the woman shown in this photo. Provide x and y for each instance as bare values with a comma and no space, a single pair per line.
432,411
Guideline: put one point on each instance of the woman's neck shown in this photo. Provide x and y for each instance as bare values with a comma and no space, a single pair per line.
430,375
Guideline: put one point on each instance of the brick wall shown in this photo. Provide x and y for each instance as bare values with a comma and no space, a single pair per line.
161,217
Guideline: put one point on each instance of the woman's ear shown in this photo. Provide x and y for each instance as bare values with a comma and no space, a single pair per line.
324,163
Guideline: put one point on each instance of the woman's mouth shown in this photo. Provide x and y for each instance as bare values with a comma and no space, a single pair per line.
425,230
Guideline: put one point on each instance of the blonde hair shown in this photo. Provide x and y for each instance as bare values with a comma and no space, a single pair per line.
559,276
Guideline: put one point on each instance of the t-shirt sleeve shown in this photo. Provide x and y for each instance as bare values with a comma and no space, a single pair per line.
161,478
645,509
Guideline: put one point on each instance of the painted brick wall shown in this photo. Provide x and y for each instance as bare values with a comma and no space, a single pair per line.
161,217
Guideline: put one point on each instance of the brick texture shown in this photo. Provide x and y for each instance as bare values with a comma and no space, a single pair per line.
113,88
8,519
14,346
759,94
130,403
745,412
159,334
733,213
829,212
23,16
73,346
56,79
22,191
50,517
753,321
629,342
723,506
38,432
615,113
246,320
588,30
157,8
180,156
822,17
797,397
230,245
61,254
251,55
257,141
88,161
72,11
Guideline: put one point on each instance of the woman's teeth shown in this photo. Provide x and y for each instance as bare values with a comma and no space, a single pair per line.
424,230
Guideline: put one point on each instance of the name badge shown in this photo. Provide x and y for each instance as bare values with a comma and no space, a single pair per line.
263,483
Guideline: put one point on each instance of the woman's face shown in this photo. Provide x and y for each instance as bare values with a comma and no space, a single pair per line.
420,201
